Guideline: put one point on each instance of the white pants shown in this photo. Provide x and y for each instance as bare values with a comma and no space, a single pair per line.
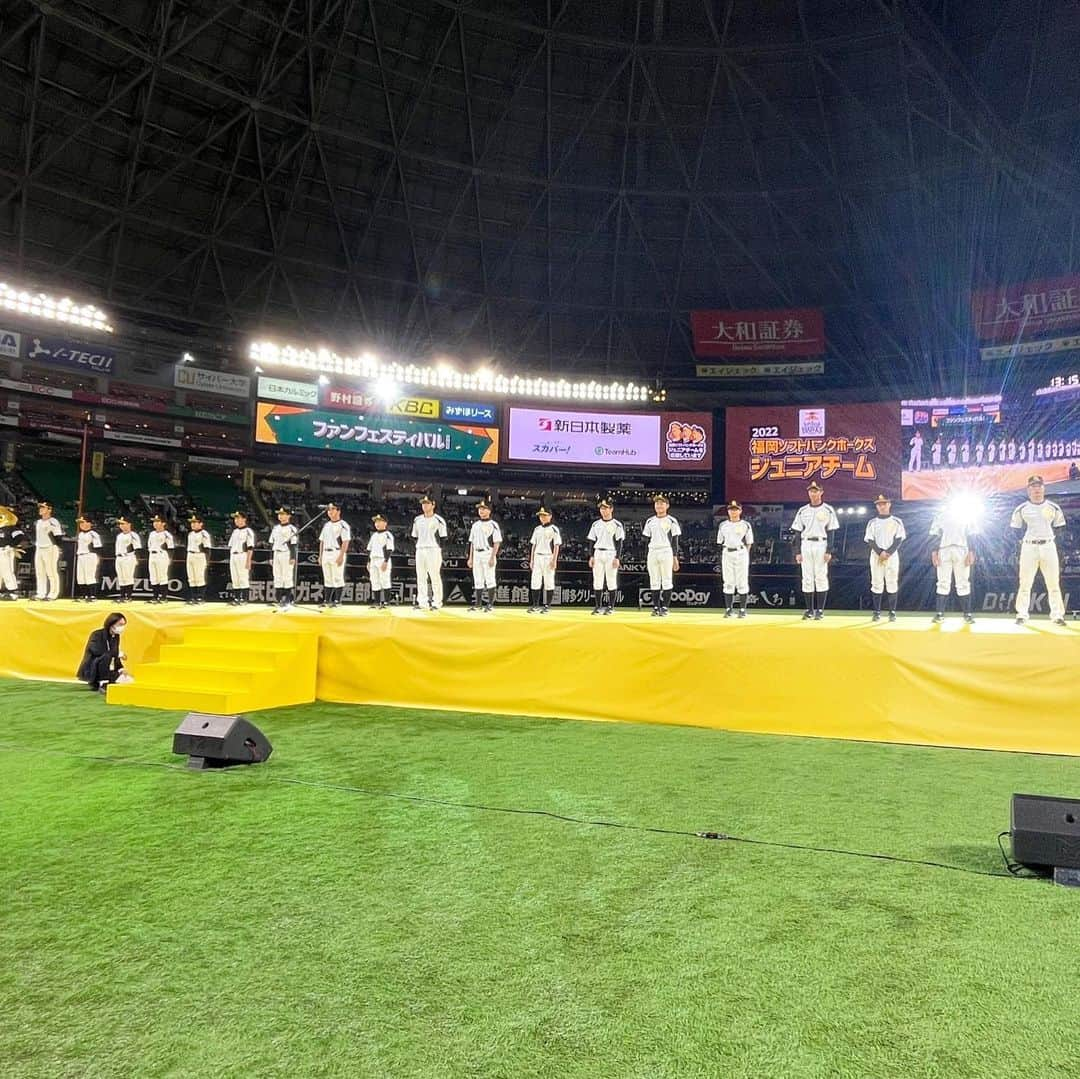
659,563
47,571
815,570
1035,557
239,571
284,569
735,568
333,575
483,570
86,567
158,564
7,569
126,564
380,578
951,564
884,576
196,570
604,573
543,572
915,460
429,564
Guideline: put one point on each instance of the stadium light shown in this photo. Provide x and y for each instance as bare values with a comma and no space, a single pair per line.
965,506
42,305
443,375
187,358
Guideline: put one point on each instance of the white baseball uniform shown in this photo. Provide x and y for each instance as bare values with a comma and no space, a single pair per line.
47,535
334,535
158,547
735,539
607,539
953,545
427,531
198,550
814,523
915,457
544,543
284,540
241,543
662,534
1039,553
87,545
483,537
380,547
10,538
884,534
127,543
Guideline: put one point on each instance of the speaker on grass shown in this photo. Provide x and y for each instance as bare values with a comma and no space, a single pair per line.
1045,831
213,741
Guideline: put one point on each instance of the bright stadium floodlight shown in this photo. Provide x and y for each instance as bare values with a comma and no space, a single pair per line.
386,390
443,375
42,305
965,506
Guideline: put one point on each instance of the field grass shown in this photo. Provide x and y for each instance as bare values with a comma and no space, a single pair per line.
272,922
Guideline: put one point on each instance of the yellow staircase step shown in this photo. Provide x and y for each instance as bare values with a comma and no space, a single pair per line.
263,640
212,679
244,659
176,700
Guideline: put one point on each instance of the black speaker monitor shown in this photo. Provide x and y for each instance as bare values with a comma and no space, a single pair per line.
1045,831
213,741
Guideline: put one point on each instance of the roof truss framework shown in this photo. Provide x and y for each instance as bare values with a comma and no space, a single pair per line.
543,181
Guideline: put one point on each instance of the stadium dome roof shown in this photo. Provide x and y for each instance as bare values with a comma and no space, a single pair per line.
554,182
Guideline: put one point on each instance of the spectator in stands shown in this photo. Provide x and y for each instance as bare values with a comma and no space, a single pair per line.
102,661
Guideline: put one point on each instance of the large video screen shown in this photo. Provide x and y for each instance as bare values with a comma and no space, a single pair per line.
352,431
668,441
773,452
991,443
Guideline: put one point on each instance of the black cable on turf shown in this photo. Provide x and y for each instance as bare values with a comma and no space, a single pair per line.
419,799
1013,867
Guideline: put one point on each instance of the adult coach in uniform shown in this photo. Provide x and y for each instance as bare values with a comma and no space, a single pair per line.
735,537
284,542
663,532
884,534
953,556
13,541
334,540
607,536
544,546
485,539
199,544
1039,517
380,547
815,525
427,529
127,560
47,533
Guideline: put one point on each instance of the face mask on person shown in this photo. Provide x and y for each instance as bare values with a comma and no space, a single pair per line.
119,628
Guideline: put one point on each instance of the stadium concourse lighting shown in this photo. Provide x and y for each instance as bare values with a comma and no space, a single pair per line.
443,376
42,305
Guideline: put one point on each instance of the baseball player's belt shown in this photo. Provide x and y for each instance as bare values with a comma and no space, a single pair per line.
1038,543
813,539
733,550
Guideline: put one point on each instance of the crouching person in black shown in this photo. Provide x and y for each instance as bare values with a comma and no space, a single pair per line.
103,661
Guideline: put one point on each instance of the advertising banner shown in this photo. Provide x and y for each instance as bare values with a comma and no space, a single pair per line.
1026,310
10,343
773,452
57,352
469,412
681,441
287,389
798,331
384,435
223,383
347,397
760,370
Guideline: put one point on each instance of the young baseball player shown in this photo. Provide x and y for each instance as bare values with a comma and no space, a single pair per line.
47,533
607,536
735,538
662,531
953,555
159,547
13,541
815,525
128,543
485,539
199,544
380,547
334,540
1039,517
884,534
284,543
241,552
427,529
544,546
87,559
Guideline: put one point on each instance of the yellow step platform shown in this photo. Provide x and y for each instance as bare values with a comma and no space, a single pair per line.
220,670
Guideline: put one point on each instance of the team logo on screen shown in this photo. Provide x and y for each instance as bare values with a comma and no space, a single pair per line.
811,422
685,442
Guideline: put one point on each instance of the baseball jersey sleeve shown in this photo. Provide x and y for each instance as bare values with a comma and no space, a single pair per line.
556,538
868,535
496,533
441,529
749,539
1016,520
389,543
1059,517
415,534
675,529
798,524
834,521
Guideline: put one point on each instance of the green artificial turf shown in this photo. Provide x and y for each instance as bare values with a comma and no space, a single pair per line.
160,922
